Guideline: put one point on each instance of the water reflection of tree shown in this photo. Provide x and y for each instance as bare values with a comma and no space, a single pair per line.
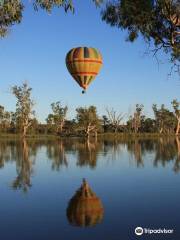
137,150
88,152
162,151
113,149
23,167
177,161
7,149
56,152
165,151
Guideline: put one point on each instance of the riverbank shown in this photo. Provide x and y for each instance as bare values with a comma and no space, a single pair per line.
99,136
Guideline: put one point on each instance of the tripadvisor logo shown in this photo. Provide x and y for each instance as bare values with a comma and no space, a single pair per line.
139,231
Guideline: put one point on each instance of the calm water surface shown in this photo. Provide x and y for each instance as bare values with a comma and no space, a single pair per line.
137,182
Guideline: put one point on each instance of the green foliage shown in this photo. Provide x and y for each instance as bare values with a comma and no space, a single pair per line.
158,21
88,119
176,106
136,120
57,119
165,119
11,11
87,115
48,5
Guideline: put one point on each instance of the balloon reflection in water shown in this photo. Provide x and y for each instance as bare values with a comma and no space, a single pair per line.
85,209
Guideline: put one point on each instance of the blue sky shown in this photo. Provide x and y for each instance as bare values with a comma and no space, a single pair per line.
35,51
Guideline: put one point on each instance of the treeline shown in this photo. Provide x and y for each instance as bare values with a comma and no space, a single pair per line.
87,121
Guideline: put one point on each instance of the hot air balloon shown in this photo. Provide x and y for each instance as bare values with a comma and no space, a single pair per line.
84,64
85,209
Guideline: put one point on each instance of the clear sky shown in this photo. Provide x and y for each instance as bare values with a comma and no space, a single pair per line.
35,51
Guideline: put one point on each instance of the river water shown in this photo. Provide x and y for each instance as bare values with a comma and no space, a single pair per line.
135,183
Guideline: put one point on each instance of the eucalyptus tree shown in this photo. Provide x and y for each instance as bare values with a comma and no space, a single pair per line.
176,106
136,120
105,122
58,116
5,119
165,119
11,11
88,120
157,21
24,107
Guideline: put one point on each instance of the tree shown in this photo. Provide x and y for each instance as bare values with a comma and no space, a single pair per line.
176,106
136,119
24,107
11,11
58,117
148,125
114,118
165,119
158,21
88,119
105,122
5,119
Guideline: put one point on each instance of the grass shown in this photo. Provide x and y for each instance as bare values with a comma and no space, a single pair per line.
100,136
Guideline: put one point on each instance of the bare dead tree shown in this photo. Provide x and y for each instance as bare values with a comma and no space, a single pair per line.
115,119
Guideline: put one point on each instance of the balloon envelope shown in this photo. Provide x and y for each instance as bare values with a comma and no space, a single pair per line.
84,64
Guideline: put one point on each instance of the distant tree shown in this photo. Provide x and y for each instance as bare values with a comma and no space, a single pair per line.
105,122
114,118
158,21
1,116
13,122
165,119
136,119
176,106
11,11
34,126
58,116
88,120
148,125
24,107
5,120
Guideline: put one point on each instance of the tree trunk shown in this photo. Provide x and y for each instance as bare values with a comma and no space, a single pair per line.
24,131
161,130
178,127
60,127
88,131
115,130
178,146
96,135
